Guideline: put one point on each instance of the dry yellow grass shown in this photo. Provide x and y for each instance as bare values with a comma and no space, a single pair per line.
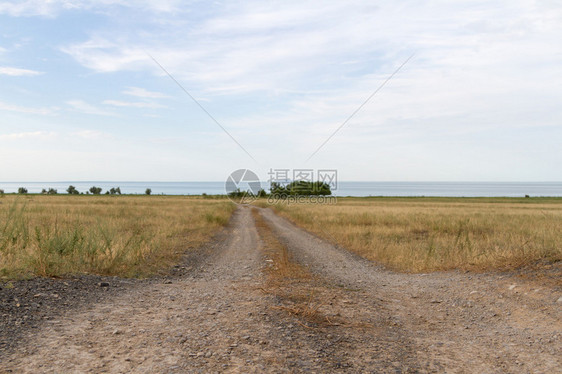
426,234
296,290
117,235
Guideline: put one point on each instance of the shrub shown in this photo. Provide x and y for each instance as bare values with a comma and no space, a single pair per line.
95,190
72,190
22,190
148,191
52,191
301,188
114,191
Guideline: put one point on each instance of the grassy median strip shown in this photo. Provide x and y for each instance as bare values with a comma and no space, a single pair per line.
427,234
131,236
297,291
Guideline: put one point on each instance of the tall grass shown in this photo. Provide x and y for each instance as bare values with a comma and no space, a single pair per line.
118,235
425,234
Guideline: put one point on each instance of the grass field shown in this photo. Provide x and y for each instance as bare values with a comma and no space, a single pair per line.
426,234
130,236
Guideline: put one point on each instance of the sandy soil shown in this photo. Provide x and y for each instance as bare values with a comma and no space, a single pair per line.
218,316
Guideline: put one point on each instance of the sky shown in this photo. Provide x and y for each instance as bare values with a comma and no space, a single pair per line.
82,96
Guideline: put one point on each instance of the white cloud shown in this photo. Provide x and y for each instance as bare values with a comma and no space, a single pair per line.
257,47
144,93
16,72
52,8
92,135
25,109
104,56
86,108
118,103
27,135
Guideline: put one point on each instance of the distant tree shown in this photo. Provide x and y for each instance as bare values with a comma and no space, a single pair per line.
52,191
301,188
43,191
262,193
148,191
72,190
107,193
1,192
22,190
95,190
114,191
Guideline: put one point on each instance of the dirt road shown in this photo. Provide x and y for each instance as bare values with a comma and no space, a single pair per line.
224,314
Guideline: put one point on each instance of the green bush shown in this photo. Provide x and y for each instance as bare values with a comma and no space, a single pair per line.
301,188
22,190
72,190
95,190
114,191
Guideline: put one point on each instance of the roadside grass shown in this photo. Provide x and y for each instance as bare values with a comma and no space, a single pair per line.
129,236
429,234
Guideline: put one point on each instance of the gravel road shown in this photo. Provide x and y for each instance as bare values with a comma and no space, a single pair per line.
217,314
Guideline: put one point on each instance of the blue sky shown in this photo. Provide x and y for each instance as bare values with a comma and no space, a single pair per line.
80,99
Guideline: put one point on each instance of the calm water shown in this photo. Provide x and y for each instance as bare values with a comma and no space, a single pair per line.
468,189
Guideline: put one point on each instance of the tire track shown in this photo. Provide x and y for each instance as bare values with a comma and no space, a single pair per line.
457,322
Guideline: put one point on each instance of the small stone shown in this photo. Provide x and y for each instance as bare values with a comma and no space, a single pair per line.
208,354
512,287
168,282
435,301
246,337
116,332
103,284
559,300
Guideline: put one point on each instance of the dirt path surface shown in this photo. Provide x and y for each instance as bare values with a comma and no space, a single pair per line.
240,310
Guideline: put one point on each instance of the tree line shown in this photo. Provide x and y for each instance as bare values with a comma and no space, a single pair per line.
71,190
